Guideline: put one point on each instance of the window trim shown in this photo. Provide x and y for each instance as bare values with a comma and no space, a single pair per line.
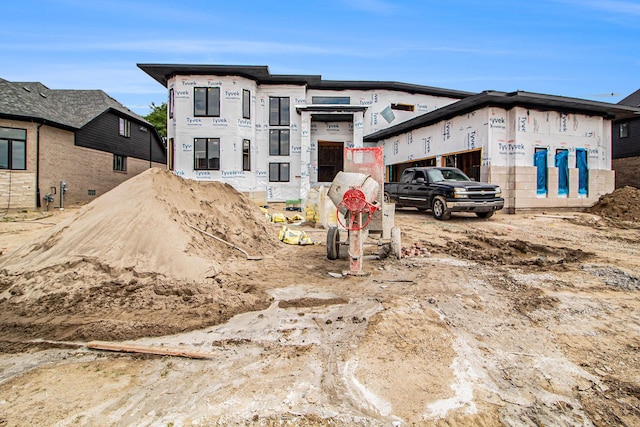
207,158
124,127
280,166
11,140
283,119
624,130
208,103
119,163
280,151
246,155
246,104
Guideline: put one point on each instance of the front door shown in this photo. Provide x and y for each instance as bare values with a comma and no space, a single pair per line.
330,160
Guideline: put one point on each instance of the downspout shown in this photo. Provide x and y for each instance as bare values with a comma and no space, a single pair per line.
150,151
38,204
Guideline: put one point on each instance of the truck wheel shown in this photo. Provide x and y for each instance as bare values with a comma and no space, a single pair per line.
387,197
396,242
439,209
484,214
333,243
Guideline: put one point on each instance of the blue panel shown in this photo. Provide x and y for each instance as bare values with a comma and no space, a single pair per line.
562,163
540,162
583,171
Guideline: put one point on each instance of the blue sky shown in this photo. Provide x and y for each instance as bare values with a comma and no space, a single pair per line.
577,48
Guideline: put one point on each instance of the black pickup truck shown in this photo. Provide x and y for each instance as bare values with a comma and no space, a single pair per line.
443,190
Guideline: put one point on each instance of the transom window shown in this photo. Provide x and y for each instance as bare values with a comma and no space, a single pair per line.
279,111
206,153
278,172
342,100
206,101
13,148
279,142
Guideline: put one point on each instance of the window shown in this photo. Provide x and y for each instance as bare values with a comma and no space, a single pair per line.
91,192
13,149
206,101
624,130
170,153
246,104
246,155
171,103
279,142
206,153
342,100
278,172
403,107
124,127
119,163
278,111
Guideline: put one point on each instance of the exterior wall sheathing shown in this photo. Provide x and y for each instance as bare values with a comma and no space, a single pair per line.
508,139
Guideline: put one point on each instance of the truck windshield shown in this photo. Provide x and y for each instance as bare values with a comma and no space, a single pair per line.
438,175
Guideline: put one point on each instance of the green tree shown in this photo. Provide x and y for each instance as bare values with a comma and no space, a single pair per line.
158,118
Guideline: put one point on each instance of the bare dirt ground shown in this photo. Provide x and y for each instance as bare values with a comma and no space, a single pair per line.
519,320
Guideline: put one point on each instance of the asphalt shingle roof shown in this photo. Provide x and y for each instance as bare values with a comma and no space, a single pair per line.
67,108
632,100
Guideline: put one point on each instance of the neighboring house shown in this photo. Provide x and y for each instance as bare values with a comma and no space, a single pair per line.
626,145
282,134
83,138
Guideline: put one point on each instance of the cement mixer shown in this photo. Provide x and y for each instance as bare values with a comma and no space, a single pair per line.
361,211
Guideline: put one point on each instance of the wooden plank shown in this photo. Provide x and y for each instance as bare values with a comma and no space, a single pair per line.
146,349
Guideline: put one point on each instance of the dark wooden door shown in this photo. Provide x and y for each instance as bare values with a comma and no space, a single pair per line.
330,160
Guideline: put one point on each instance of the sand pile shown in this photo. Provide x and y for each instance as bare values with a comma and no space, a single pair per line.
623,204
128,264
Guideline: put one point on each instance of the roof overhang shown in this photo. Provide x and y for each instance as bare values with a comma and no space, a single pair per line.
331,112
162,73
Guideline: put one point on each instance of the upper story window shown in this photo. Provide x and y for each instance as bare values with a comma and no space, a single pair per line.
403,107
206,101
624,130
279,111
246,104
341,100
279,142
206,153
171,103
124,127
13,148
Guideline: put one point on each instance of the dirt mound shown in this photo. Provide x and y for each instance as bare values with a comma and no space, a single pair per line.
623,204
130,264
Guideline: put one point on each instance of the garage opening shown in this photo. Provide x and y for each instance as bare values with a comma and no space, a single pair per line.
330,160
468,162
394,171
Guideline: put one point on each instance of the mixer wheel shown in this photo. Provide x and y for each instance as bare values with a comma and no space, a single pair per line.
333,243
